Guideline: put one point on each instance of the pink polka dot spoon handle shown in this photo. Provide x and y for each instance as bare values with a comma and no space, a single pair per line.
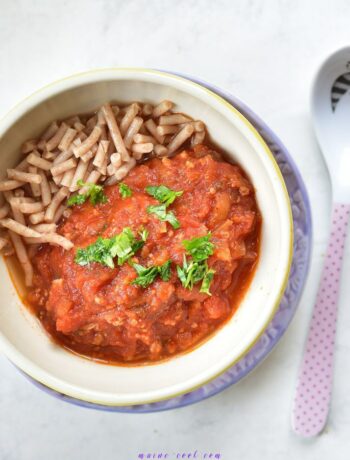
314,386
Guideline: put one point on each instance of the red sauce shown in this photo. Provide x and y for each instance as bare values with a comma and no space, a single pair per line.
96,311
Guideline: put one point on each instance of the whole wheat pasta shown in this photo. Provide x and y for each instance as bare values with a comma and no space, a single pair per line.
143,138
88,143
161,108
16,213
87,156
19,228
111,147
50,131
103,168
9,185
59,213
180,138
133,129
19,192
4,210
23,176
53,187
63,156
45,228
100,154
60,168
55,238
57,179
78,175
167,129
174,119
3,243
152,128
35,188
52,143
67,178
100,118
41,145
48,155
103,136
36,218
115,109
71,120
142,148
67,139
79,126
67,212
30,208
28,146
114,131
17,200
90,124
147,110
39,162
121,172
23,165
160,150
23,258
45,189
130,114
198,138
92,178
116,160
111,169
55,202
198,126
88,171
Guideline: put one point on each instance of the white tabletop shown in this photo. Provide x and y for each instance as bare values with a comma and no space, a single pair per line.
266,53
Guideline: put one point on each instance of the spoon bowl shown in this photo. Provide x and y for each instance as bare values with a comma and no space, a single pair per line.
330,109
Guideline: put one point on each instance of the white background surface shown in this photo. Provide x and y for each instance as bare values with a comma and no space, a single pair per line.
266,53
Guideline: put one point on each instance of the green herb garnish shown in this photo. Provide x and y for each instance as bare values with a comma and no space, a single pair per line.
199,248
208,278
191,272
104,250
94,192
197,269
160,211
146,275
124,190
163,194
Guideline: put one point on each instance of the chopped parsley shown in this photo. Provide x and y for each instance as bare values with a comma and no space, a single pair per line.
124,190
208,278
104,250
146,275
94,193
166,197
199,248
160,211
197,269
163,194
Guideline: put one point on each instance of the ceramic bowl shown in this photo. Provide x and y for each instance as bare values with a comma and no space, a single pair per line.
22,337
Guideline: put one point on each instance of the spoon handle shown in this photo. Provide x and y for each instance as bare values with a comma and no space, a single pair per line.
314,387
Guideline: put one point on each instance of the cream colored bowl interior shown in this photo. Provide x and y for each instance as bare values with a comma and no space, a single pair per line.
21,335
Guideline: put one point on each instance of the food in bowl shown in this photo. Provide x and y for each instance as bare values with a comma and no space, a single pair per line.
139,270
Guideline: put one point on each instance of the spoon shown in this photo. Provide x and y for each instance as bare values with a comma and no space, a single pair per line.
330,107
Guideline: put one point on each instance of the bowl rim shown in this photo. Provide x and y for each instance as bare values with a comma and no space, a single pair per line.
43,93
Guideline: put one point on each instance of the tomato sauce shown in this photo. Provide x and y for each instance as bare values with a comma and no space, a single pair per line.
95,310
